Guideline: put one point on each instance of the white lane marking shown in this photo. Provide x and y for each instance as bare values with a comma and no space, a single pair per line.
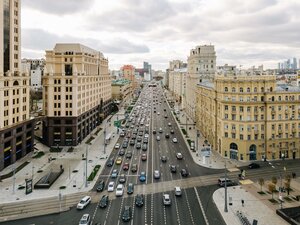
120,213
189,207
177,212
145,202
201,207
165,216
152,206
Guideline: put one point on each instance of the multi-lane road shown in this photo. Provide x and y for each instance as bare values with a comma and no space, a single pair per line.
195,206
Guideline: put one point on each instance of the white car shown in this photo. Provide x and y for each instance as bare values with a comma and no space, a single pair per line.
178,191
158,138
146,135
158,113
175,140
120,190
169,124
117,146
85,220
156,174
84,202
179,155
166,199
111,186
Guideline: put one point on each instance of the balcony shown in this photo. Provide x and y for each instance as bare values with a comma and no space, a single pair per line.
233,131
279,131
256,112
256,131
286,111
273,112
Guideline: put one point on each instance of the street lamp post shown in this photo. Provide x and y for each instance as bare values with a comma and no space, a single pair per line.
225,207
14,178
198,135
86,162
104,144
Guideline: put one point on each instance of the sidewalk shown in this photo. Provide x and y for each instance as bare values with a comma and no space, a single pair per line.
73,177
214,160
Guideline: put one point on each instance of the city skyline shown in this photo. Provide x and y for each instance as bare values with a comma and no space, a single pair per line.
130,32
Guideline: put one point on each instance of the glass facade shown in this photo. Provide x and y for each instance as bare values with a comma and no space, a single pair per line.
6,35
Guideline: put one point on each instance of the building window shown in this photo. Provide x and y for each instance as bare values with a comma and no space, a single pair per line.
241,89
226,89
248,89
233,135
233,89
241,137
226,107
241,109
255,89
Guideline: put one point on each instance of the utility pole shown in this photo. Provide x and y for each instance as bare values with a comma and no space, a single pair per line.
225,207
104,144
86,162
198,135
14,178
280,193
32,171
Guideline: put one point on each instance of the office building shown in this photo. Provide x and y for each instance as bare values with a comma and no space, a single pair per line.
121,89
16,128
249,117
76,93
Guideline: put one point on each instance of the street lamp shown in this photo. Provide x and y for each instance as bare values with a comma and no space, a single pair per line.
280,189
225,207
198,135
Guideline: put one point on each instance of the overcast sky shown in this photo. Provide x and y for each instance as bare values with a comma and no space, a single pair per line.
244,32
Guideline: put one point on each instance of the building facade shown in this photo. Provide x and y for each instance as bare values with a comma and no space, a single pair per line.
16,127
201,65
121,89
128,72
76,93
246,117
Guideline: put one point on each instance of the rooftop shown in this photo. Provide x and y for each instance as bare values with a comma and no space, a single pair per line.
120,82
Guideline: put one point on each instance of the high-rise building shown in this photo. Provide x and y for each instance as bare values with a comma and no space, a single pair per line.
128,72
16,128
294,66
201,65
76,93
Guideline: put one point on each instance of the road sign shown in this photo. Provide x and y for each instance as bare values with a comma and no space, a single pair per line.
117,123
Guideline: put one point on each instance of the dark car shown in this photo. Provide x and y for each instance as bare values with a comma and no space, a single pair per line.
129,155
173,169
164,158
130,188
139,200
122,179
121,152
184,172
167,135
145,140
110,162
139,139
133,137
132,142
125,144
100,185
144,147
253,166
126,166
104,201
138,145
126,215
134,168
154,131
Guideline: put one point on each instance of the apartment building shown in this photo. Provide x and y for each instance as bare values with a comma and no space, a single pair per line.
128,72
121,89
201,65
16,127
76,93
249,117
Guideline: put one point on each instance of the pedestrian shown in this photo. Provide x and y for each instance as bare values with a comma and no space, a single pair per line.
294,175
243,202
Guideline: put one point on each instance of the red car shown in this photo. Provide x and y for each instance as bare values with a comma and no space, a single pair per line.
126,166
144,157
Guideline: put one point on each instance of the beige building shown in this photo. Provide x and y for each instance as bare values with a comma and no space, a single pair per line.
16,127
201,65
77,93
178,84
249,117
121,89
128,72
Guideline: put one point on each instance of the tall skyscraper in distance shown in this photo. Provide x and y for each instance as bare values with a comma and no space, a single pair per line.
294,64
16,128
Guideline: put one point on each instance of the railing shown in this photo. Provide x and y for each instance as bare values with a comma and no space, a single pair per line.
243,219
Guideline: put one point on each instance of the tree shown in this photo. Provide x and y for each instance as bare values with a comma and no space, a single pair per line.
261,182
274,180
287,183
272,188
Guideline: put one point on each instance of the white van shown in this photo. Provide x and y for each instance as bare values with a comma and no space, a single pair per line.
84,202
120,190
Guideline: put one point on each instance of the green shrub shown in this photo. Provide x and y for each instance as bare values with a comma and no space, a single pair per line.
93,173
38,155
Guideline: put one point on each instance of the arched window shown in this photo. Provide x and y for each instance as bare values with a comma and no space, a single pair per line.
262,89
16,83
271,89
241,89
255,89
248,89
226,89
233,89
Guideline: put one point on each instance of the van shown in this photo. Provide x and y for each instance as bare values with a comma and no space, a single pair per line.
178,191
221,182
85,220
193,146
84,202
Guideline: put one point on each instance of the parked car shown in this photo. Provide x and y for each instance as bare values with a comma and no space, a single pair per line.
114,173
119,161
179,155
122,179
167,135
164,158
173,169
121,152
144,147
117,146
177,191
253,166
134,168
172,132
139,200
128,155
110,162
104,201
158,138
132,142
154,131
84,202
156,174
160,130
100,186
144,157
174,140
138,145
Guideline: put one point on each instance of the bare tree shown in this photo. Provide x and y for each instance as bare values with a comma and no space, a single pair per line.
272,188
261,182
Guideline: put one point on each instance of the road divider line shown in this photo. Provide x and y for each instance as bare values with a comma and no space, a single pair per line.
189,207
201,206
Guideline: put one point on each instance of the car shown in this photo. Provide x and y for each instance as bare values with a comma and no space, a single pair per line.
158,113
174,140
122,179
128,154
166,199
164,158
160,130
139,139
156,174
142,176
111,186
138,145
126,166
122,134
172,132
169,124
84,202
126,215
121,152
158,138
133,137
132,142
144,147
103,201
117,146
144,157
167,135
110,162
139,200
140,133
173,168
145,141
165,110
114,173
221,182
177,191
146,135
134,168
125,144
119,161
85,219
253,166
179,155
120,190
100,186
184,172
166,116
130,188
154,131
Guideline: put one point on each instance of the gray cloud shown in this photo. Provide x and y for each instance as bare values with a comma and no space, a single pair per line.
37,39
59,7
